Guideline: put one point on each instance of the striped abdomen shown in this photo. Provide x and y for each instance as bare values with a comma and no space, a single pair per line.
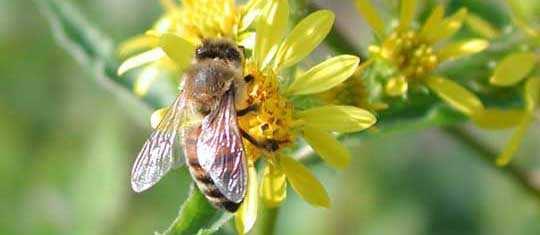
202,179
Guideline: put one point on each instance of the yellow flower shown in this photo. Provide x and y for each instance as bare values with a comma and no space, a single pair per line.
412,54
510,71
513,69
187,25
277,118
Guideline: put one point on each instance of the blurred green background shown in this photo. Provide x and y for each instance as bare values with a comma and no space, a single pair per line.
67,144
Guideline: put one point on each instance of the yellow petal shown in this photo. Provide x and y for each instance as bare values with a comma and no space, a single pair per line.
269,31
460,49
273,188
498,118
408,10
481,26
247,40
326,145
141,59
368,11
434,20
455,95
513,68
515,141
178,49
305,36
304,183
532,93
145,79
246,215
337,118
448,27
157,116
253,9
324,76
137,43
396,86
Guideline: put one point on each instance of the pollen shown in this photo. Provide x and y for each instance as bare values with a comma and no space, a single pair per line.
412,56
273,118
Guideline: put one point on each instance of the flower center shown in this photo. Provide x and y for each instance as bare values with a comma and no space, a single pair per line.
272,121
413,57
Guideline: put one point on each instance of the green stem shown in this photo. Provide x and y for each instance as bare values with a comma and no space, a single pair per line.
488,155
268,221
195,213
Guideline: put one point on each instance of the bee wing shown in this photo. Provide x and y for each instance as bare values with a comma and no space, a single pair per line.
156,157
220,151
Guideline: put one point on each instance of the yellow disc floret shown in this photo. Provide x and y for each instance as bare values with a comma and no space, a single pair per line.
409,54
273,117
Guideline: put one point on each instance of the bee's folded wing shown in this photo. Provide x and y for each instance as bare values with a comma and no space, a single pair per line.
220,151
157,155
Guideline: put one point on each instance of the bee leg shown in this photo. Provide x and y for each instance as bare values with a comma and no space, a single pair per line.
248,78
247,110
269,145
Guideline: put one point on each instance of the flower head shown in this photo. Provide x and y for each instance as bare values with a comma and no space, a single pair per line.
280,120
411,55
512,70
187,24
517,68
277,122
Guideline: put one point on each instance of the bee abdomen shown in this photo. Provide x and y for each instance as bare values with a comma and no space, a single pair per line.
202,179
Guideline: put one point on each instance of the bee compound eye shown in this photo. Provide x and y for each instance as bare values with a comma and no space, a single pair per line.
232,54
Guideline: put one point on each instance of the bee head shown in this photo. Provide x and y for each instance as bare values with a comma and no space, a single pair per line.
219,49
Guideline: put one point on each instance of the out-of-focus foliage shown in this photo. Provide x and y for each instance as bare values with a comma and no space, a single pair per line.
66,145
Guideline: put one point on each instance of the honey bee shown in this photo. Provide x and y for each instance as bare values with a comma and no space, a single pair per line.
203,119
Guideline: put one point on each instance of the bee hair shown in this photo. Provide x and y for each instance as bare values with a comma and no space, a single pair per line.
218,48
